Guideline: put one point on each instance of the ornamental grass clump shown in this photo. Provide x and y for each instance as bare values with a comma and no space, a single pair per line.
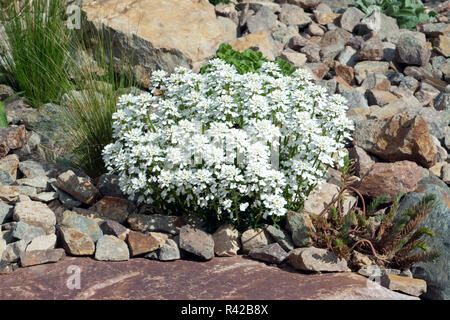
241,148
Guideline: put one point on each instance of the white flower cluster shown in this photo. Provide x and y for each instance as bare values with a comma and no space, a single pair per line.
227,143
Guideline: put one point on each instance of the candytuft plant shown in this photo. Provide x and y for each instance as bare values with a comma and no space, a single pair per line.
408,13
242,148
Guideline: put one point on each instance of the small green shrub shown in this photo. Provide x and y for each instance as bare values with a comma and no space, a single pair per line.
216,2
388,238
35,56
248,60
408,13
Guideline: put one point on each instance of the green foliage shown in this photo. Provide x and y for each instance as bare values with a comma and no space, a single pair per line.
3,121
388,239
408,13
36,55
216,2
248,60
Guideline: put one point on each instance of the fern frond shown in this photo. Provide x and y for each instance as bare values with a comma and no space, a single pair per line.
376,203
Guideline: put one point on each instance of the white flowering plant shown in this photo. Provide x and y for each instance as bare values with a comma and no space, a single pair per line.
240,148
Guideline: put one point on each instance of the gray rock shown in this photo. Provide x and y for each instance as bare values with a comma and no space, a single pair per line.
355,99
44,242
39,182
23,231
113,228
13,251
388,51
445,175
437,61
442,101
372,48
300,226
196,242
254,238
438,220
45,196
386,27
435,29
293,15
169,251
330,85
373,80
446,141
395,77
108,185
312,52
280,237
305,4
31,169
350,18
263,20
67,200
348,56
410,50
273,253
365,68
2,247
78,222
153,222
36,214
317,260
110,248
5,178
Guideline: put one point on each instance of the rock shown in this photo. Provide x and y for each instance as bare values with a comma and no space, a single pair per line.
226,241
379,97
9,164
390,179
164,35
443,46
76,243
318,70
280,237
6,212
410,50
317,260
2,247
196,242
13,251
376,81
263,20
272,253
140,243
37,257
293,15
80,188
295,58
44,242
413,287
348,56
169,251
315,30
36,182
399,138
45,196
108,185
435,30
27,232
261,40
355,99
5,178
426,94
350,18
301,227
389,51
437,168
113,208
445,175
154,222
5,92
297,42
11,138
333,42
253,238
385,26
228,11
329,85
281,33
345,72
321,197
372,49
312,52
325,17
442,101
35,214
363,161
306,4
441,152
364,68
113,228
360,260
438,220
31,169
78,222
110,248
67,200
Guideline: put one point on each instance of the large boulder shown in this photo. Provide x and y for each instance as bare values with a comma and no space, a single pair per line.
161,34
436,274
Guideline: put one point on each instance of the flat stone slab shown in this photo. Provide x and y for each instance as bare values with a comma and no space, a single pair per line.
218,279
